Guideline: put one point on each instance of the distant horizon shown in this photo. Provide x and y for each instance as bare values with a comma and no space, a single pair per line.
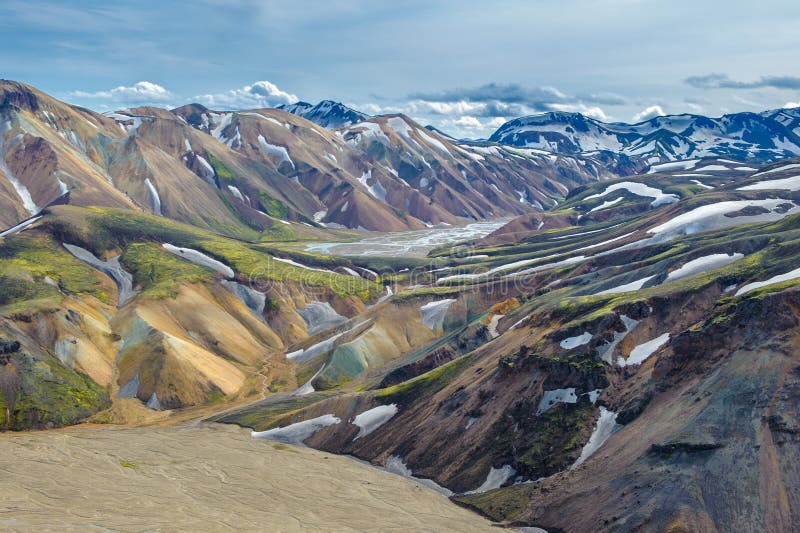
172,107
463,67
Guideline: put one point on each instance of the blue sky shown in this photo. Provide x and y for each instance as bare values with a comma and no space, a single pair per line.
465,66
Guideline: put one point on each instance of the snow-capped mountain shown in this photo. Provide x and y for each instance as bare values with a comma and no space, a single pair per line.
766,136
327,113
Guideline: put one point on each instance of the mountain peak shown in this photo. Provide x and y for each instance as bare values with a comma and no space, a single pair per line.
327,113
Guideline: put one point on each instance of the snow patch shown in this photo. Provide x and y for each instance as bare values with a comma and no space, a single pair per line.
111,268
320,316
794,274
606,351
155,200
701,264
573,342
495,479
433,313
641,352
556,396
278,151
605,427
790,184
370,420
639,189
298,432
199,258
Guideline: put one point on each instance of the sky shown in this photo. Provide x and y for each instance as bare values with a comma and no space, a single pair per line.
465,66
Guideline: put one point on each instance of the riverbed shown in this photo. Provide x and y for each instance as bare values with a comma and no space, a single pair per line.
415,243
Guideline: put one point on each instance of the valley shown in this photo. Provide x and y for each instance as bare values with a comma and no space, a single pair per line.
589,338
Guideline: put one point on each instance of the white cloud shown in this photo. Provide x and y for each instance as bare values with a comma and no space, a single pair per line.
465,122
141,93
259,94
648,113
791,105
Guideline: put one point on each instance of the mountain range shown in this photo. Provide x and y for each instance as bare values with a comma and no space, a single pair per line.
246,171
763,137
617,349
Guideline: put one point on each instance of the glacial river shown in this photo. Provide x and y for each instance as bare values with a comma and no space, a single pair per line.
416,243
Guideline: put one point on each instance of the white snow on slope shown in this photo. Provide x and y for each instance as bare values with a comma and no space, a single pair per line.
300,265
675,165
548,266
606,351
308,387
712,217
223,123
298,432
23,192
199,258
304,354
605,427
794,274
495,270
603,243
700,183
573,342
369,130
571,235
641,352
713,168
702,264
208,170
493,333
606,204
396,465
278,151
495,479
376,189
370,420
639,189
433,313
19,227
556,396
155,200
436,143
255,301
632,286
112,268
320,316
791,184
236,192
62,187
778,169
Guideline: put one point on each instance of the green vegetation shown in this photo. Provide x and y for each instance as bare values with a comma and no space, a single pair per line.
159,272
126,464
425,384
273,207
39,392
112,229
28,258
222,171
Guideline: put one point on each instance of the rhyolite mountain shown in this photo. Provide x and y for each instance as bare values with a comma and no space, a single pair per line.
246,171
764,137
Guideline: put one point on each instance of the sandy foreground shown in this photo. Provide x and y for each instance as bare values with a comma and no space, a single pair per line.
206,478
